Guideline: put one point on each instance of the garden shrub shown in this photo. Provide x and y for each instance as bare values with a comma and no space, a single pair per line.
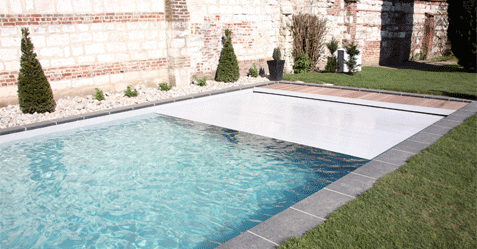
352,63
165,87
261,72
302,64
228,69
253,71
34,90
200,82
99,95
332,63
129,93
308,36
277,54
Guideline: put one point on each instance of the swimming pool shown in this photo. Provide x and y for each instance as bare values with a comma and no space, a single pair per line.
152,181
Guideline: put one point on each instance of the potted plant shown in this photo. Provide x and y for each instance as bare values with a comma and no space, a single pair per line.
275,66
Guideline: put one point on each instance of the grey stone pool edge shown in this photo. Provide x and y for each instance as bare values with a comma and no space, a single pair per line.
312,211
69,119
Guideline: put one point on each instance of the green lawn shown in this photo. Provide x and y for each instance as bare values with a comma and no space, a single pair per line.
431,202
449,81
428,203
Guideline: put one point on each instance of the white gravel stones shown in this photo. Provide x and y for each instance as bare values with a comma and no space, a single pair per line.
12,116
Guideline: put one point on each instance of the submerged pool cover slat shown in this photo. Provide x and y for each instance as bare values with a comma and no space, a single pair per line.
360,131
152,181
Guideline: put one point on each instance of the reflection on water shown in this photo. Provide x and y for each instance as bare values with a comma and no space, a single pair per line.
152,181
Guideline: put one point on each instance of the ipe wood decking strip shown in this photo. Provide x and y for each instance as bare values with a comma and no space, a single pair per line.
375,96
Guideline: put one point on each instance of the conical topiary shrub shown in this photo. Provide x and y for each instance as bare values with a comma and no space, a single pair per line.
34,91
228,69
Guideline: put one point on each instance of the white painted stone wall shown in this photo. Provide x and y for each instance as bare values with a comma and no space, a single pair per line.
258,26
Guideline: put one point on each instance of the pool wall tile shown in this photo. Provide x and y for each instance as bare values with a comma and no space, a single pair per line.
351,185
286,224
322,203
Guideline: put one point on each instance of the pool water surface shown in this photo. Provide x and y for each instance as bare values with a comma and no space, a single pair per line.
152,181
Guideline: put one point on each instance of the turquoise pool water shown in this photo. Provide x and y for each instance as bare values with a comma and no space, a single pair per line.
152,182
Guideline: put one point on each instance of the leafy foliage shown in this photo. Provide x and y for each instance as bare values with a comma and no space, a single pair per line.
332,63
308,36
332,46
253,71
34,90
462,32
277,54
228,69
165,87
352,63
129,93
302,64
200,82
99,95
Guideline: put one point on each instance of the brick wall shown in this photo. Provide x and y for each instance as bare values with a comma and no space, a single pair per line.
85,44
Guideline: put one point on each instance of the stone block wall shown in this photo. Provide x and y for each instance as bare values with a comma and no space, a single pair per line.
83,44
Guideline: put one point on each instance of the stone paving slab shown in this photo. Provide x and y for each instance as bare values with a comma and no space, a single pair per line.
327,200
286,224
351,185
322,203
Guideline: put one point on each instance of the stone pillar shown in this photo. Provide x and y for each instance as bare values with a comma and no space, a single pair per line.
350,20
285,40
177,40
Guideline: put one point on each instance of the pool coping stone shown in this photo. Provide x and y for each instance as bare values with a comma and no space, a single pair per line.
313,210
349,187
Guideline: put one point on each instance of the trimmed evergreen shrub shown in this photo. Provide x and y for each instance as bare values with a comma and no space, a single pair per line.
302,64
352,63
277,54
34,90
332,63
228,69
253,71
462,32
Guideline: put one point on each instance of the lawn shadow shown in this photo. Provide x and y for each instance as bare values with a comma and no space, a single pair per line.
433,66
456,95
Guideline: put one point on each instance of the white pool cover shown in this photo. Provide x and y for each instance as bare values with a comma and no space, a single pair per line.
351,129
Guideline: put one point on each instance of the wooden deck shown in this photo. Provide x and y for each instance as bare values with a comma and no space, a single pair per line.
383,97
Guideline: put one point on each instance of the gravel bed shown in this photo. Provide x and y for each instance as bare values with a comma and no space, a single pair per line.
12,116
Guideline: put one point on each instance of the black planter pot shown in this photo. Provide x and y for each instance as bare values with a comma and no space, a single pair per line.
276,69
